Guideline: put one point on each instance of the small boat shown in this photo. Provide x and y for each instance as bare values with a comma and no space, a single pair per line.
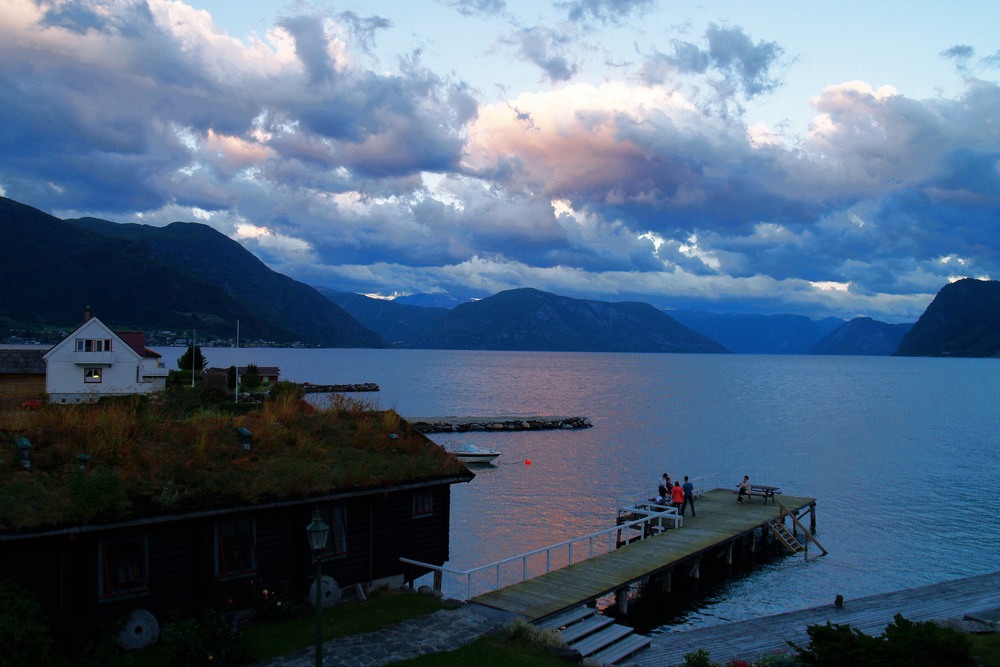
473,454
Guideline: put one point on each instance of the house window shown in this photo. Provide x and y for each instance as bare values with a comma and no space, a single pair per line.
235,548
91,374
123,568
93,344
335,516
423,503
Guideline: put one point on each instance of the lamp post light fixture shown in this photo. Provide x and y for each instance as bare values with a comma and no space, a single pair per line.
318,532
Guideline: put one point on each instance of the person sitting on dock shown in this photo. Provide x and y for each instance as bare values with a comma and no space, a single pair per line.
744,489
688,495
677,496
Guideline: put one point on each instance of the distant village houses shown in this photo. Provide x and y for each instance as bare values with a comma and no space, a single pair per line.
94,361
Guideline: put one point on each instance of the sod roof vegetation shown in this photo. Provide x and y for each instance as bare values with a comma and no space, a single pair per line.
145,461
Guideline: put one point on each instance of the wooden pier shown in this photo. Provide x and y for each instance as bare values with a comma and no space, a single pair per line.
719,526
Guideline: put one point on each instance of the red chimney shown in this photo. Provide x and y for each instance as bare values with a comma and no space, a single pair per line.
86,314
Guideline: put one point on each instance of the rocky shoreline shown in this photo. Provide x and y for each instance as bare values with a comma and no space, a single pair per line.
463,424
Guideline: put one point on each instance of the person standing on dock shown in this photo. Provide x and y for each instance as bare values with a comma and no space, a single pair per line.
688,495
664,488
677,496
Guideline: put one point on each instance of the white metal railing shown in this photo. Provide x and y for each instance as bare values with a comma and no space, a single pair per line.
651,522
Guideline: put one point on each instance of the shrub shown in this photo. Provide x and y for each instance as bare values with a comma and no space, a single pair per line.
698,658
206,639
268,604
283,390
903,643
24,635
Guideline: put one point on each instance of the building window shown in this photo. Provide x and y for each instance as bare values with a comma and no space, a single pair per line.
91,374
123,568
235,548
93,344
335,516
423,503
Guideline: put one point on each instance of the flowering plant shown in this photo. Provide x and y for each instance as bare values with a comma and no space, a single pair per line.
267,604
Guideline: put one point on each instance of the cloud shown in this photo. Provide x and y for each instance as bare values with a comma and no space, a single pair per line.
541,47
735,67
605,11
649,186
474,7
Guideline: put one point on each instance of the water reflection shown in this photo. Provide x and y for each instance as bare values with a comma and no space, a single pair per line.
879,441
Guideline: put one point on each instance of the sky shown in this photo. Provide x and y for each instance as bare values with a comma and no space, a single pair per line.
824,158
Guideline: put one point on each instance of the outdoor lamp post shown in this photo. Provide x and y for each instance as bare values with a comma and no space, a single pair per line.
318,532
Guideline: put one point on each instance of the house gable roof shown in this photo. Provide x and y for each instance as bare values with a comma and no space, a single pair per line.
93,328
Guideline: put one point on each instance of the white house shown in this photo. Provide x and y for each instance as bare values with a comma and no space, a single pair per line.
95,361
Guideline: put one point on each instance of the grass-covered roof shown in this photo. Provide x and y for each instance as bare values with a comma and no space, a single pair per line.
145,460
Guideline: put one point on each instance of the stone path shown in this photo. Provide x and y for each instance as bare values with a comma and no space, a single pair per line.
444,630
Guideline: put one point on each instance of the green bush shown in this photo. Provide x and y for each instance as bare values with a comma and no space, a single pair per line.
283,390
25,637
205,639
698,658
903,644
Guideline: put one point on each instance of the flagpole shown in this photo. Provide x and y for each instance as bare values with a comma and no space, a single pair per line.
194,341
236,389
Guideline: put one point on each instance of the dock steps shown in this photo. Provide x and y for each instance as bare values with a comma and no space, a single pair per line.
784,536
594,635
585,627
596,641
565,618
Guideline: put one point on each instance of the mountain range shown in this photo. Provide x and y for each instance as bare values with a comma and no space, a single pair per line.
187,276
181,277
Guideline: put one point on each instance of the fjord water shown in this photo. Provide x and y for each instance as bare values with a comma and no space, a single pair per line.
902,454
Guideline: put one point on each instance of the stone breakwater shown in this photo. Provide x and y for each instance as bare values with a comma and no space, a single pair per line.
461,425
338,388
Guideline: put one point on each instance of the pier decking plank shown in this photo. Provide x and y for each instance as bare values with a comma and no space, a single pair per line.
754,638
720,519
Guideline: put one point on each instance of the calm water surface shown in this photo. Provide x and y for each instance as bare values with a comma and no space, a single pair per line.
901,453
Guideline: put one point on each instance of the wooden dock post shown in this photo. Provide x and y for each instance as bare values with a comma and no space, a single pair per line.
621,600
695,571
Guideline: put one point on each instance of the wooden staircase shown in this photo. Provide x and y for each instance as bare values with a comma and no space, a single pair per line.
595,636
782,534
787,538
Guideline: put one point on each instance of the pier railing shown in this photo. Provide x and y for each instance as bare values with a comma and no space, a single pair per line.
593,545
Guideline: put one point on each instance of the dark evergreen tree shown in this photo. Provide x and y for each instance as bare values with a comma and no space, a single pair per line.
184,362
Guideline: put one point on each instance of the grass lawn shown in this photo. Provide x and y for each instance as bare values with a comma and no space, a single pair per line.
268,640
987,647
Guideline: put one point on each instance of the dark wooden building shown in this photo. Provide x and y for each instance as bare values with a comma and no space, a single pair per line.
216,557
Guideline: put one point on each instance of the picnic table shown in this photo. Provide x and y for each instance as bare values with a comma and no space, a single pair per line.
764,491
